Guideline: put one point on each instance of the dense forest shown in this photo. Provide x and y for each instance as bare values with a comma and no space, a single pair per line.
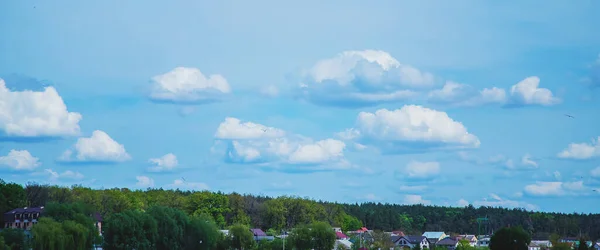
275,214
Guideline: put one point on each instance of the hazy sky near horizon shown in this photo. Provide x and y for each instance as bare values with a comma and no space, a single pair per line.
436,102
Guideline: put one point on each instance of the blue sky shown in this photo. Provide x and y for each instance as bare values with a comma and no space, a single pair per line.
402,102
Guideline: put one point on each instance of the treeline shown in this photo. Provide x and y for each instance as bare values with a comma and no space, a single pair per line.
286,212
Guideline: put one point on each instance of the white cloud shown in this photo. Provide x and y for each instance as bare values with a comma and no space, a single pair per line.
34,114
581,151
184,185
165,163
361,78
595,172
526,92
394,129
372,197
98,147
144,181
416,188
462,203
19,160
555,188
55,176
413,199
527,161
270,91
421,170
497,201
458,94
557,175
594,78
250,142
188,85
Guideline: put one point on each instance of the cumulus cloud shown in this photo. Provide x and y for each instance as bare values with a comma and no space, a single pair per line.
184,185
408,128
555,188
527,162
421,170
581,151
66,175
361,78
188,85
36,114
496,201
249,142
269,91
97,148
462,203
527,92
413,199
413,189
458,94
19,160
165,163
144,181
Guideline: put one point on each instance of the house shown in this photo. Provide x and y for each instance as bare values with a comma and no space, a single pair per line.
572,240
337,229
448,242
597,246
412,240
434,237
341,236
343,244
483,241
260,235
539,244
23,218
397,233
469,237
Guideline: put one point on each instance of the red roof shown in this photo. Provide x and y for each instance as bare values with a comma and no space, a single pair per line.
340,235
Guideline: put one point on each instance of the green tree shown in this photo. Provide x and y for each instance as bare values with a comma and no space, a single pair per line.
3,245
323,236
405,222
382,240
48,234
131,229
14,238
561,246
202,233
12,196
509,238
350,223
213,204
274,213
171,224
241,237
464,245
301,238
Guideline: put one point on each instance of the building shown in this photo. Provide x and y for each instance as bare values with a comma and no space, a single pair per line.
483,241
260,235
472,239
411,241
23,218
434,237
341,236
448,242
98,222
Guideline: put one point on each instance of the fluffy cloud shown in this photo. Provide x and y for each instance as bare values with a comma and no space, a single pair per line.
35,114
462,203
269,91
97,148
458,94
188,85
581,151
144,181
19,160
421,170
497,201
55,176
249,142
184,185
413,199
595,172
525,163
555,188
361,78
165,163
526,92
403,129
